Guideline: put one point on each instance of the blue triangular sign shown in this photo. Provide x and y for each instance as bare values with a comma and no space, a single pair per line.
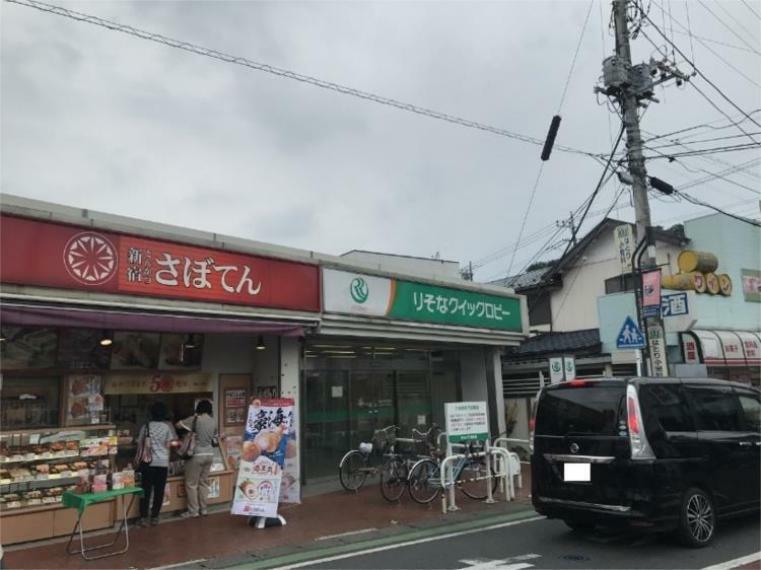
630,337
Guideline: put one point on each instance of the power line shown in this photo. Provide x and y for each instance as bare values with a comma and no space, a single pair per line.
723,23
709,40
722,175
560,107
692,84
697,202
708,125
748,6
575,56
678,142
699,72
286,73
735,20
698,152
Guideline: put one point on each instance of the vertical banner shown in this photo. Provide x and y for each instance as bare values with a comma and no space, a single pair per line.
624,236
260,469
657,342
651,293
556,370
290,488
569,367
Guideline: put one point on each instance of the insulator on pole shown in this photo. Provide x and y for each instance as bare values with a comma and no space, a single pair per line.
550,140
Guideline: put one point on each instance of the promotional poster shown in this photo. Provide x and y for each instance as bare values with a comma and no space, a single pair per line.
262,459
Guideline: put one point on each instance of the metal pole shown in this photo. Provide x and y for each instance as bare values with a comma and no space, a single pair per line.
487,457
653,325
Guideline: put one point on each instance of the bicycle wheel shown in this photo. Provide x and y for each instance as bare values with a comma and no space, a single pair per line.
424,481
352,471
393,479
472,480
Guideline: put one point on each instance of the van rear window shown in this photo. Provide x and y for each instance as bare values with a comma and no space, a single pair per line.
590,410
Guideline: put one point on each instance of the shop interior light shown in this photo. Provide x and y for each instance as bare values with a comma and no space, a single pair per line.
2,336
105,339
189,342
260,345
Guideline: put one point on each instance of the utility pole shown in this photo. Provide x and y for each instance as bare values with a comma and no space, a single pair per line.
630,85
569,223
629,106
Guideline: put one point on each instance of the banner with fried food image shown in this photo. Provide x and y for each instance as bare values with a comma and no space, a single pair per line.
260,469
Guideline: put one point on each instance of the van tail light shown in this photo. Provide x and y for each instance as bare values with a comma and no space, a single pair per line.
640,447
532,423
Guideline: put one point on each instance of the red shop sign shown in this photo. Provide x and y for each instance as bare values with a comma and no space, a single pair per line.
56,255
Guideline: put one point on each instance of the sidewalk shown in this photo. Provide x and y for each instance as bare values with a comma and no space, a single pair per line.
221,539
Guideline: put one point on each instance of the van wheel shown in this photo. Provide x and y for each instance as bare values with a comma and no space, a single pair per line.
579,525
697,518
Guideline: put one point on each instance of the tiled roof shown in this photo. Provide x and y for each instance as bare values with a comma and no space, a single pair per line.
572,342
522,281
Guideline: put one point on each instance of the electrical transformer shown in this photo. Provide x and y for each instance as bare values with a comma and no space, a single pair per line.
642,80
614,72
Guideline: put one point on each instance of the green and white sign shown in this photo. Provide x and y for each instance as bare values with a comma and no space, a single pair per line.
355,293
466,421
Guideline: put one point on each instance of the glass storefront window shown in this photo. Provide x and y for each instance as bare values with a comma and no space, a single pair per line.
30,403
353,390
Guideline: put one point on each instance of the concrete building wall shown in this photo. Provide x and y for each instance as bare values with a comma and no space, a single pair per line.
737,245
574,306
436,268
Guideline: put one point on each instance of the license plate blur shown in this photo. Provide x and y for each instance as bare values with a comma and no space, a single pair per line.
577,472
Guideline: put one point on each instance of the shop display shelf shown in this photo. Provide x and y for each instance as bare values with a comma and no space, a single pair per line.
6,460
36,483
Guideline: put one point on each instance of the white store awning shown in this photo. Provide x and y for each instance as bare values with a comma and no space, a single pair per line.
721,348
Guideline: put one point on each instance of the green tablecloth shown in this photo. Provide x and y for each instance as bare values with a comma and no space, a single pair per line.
81,501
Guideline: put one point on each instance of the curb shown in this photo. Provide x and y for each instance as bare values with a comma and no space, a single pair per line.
300,555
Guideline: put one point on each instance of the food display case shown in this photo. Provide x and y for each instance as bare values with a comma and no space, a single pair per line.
37,466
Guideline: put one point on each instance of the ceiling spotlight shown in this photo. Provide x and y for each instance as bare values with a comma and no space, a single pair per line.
189,342
260,345
105,339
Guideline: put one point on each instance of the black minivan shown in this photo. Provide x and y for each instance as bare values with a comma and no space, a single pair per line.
657,453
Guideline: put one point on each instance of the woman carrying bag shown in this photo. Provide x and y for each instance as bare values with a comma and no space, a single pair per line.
198,448
155,440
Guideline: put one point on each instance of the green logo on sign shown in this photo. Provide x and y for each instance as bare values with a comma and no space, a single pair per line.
359,290
556,367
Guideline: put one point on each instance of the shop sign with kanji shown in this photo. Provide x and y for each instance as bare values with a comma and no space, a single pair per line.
360,294
57,255
430,303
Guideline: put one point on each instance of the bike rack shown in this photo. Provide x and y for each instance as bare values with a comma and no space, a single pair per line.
448,484
507,441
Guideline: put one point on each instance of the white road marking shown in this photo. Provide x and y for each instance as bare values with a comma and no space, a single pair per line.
178,564
407,543
729,564
349,533
498,565
513,563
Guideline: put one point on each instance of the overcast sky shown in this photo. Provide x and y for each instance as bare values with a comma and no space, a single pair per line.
97,119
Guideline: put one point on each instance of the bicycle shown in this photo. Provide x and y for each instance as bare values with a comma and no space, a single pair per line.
425,480
355,466
396,469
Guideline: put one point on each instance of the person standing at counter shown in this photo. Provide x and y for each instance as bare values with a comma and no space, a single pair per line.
197,468
162,438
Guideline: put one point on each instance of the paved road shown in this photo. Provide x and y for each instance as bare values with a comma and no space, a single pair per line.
550,544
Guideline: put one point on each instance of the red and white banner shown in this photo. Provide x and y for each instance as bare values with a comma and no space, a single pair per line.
57,255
